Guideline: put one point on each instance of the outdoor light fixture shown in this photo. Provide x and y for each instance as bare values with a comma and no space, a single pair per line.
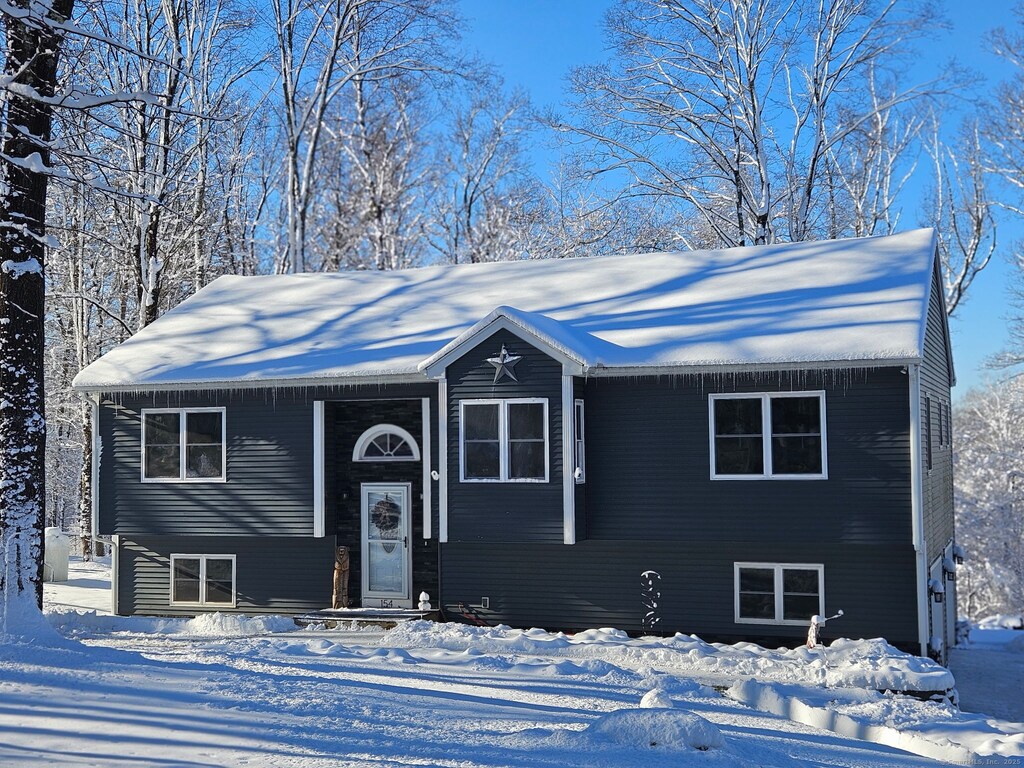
937,590
949,567
959,554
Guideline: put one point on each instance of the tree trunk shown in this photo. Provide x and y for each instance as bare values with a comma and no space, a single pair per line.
31,61
85,488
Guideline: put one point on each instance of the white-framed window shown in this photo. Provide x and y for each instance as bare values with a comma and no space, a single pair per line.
768,435
386,442
203,580
579,445
183,445
779,593
504,441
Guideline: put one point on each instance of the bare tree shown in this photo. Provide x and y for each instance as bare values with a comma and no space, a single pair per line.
990,497
741,112
1004,130
325,49
873,170
962,208
157,154
34,32
485,181
147,204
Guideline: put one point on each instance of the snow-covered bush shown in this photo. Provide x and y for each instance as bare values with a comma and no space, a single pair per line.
989,494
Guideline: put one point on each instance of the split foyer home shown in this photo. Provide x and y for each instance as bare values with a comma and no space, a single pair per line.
721,442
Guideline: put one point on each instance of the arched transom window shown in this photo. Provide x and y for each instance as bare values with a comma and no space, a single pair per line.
386,442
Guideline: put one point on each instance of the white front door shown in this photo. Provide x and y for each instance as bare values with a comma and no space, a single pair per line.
386,555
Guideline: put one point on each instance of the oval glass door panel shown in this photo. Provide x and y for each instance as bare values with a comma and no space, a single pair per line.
385,526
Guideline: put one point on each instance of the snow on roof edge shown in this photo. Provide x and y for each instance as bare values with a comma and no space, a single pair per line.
598,370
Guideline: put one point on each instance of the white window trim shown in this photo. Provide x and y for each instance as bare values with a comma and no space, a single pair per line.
766,433
202,581
382,429
579,441
319,471
778,569
182,433
503,440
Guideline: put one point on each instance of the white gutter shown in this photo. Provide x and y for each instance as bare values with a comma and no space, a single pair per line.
697,369
917,508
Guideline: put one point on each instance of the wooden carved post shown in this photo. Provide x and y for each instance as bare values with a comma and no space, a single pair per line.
341,565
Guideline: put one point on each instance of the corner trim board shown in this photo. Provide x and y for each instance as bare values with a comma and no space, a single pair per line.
115,585
917,507
319,504
97,444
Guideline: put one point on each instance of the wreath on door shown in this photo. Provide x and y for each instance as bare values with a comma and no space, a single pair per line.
386,516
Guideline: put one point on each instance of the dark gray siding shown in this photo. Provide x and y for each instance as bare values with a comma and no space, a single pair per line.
650,504
649,463
935,386
345,422
269,487
597,584
505,511
272,575
937,479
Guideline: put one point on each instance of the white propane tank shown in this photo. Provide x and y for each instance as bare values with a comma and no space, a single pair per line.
56,550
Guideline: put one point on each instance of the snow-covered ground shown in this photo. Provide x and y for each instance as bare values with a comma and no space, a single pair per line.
228,691
990,671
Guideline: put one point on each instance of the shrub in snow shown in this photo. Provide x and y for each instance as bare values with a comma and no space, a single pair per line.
230,625
656,700
646,728
1016,645
1003,621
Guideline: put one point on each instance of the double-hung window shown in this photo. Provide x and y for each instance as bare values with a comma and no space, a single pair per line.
183,444
779,593
203,580
775,435
504,440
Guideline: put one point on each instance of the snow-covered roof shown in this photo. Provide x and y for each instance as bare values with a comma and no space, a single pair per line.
831,303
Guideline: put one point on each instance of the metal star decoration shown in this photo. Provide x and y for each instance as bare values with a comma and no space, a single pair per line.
504,365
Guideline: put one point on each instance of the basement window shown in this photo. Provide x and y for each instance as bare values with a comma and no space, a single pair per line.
778,593
203,580
183,444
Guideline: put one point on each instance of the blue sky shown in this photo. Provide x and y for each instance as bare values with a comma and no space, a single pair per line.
535,43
